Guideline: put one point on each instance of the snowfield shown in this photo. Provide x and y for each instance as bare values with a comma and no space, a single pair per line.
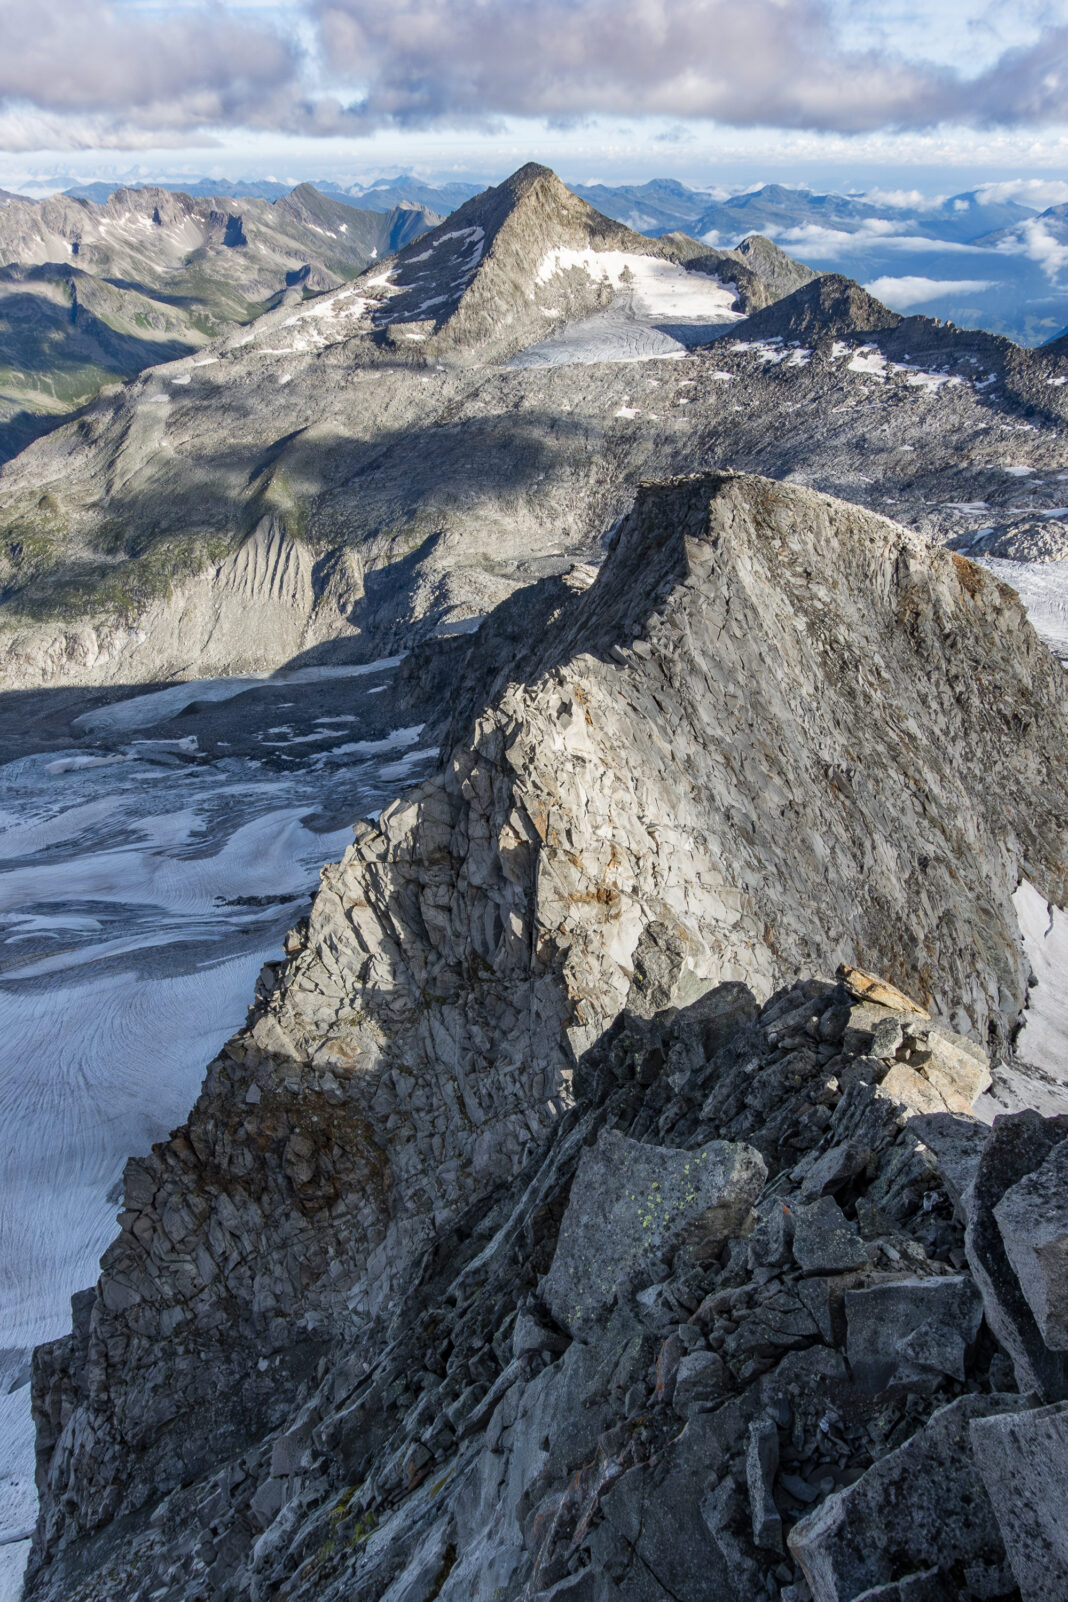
658,309
1043,589
141,892
1042,1044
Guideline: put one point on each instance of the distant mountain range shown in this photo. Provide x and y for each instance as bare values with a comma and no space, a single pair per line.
983,263
660,206
100,282
382,195
995,264
292,451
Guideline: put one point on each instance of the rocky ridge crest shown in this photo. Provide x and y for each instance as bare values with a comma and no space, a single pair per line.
834,308
764,690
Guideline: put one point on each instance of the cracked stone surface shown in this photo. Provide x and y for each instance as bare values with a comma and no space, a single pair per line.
303,1372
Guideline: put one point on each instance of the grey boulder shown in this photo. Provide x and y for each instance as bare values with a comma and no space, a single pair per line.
1032,1218
1018,1145
825,1242
631,1207
923,1506
911,1331
1023,1459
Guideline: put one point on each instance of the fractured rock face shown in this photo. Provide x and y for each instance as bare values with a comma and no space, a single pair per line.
915,1509
1023,1459
1032,1219
475,1448
639,807
1019,1145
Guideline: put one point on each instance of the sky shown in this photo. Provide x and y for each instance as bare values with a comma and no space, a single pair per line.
849,93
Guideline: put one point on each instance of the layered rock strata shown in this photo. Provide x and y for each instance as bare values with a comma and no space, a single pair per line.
776,733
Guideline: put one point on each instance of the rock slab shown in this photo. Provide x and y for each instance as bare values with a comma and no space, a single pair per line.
1023,1459
631,1207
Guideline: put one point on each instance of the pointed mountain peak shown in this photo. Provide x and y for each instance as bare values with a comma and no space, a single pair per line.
831,306
777,272
500,272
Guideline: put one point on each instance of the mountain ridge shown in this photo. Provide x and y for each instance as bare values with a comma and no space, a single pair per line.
401,448
625,823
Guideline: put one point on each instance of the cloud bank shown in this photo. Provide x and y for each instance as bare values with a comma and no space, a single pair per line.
904,293
114,69
98,65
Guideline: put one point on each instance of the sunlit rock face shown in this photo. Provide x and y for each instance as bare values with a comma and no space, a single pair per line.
762,742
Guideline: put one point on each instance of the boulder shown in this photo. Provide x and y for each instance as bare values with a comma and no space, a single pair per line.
955,1065
825,1242
911,1331
869,987
923,1506
919,1095
631,1207
955,1144
834,1169
1032,1217
1023,1460
1018,1145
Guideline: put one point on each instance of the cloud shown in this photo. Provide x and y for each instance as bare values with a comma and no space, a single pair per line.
1036,192
1026,85
765,63
99,72
902,293
1037,240
903,199
114,68
874,234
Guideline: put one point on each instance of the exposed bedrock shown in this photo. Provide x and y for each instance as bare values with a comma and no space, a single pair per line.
777,734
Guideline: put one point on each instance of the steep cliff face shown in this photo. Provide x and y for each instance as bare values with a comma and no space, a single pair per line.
777,733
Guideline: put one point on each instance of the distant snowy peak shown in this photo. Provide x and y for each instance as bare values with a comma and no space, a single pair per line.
529,256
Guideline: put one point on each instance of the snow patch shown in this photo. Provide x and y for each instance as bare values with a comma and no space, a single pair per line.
1043,589
140,711
660,288
870,361
1043,1040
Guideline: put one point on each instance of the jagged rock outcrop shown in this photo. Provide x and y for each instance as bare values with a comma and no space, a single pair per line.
708,1427
764,691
